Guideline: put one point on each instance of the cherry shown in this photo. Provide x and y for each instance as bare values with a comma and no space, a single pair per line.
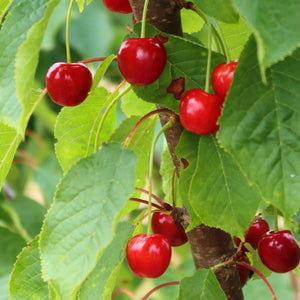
279,251
200,111
222,77
148,256
164,224
256,230
141,60
120,6
68,84
243,271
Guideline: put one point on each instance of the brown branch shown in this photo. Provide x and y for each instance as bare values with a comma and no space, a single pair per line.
209,246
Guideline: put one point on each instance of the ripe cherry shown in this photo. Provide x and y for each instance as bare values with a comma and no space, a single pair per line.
200,111
279,251
164,224
141,60
148,256
68,84
120,6
256,230
243,271
222,77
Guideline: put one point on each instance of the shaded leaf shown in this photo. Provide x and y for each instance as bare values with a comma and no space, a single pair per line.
26,279
222,10
101,281
203,285
260,127
10,246
81,222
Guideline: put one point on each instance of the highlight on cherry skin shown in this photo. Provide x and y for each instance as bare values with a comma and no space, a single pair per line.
148,256
279,251
68,84
222,77
164,224
120,6
141,60
199,111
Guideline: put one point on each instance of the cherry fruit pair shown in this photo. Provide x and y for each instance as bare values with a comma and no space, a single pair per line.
199,111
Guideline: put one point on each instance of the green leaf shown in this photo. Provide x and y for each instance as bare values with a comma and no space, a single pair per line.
275,25
218,191
101,71
260,127
4,6
77,126
10,246
132,105
20,40
10,141
236,36
186,58
203,285
82,220
81,3
191,22
26,279
222,10
187,149
101,280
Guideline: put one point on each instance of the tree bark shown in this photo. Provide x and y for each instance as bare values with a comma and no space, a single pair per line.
209,246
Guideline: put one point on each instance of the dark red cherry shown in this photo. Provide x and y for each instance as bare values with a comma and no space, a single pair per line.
200,111
120,6
279,251
141,60
243,271
68,84
222,77
237,242
164,224
256,230
148,256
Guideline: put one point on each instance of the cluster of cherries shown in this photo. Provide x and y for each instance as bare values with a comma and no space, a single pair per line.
278,251
149,255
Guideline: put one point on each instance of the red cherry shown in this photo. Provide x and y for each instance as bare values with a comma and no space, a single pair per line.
200,111
164,224
279,251
141,60
256,230
222,77
120,6
237,241
243,271
148,256
68,84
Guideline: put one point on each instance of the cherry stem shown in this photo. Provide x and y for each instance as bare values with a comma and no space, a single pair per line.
153,196
223,42
95,59
122,291
207,80
134,129
173,187
170,123
143,30
146,202
68,32
275,219
246,265
159,287
109,107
